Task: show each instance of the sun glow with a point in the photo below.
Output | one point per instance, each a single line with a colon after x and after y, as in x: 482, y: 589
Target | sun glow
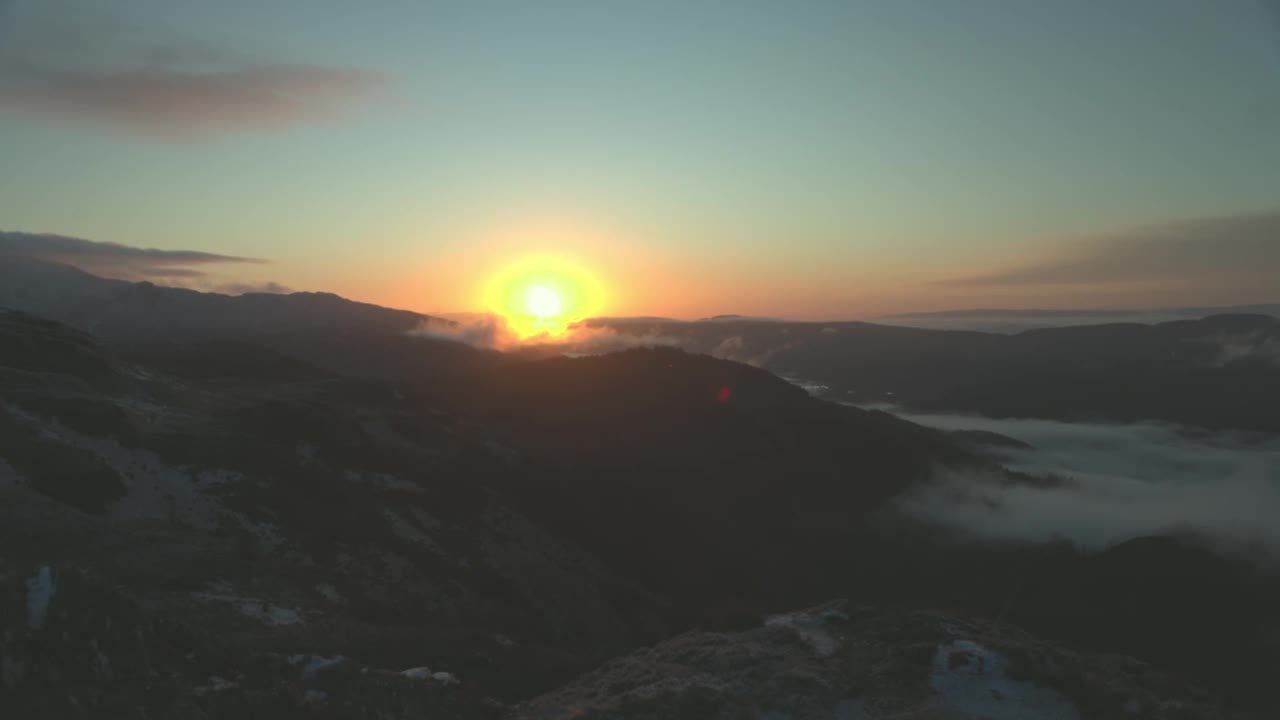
x: 543, y: 295
x: 543, y: 302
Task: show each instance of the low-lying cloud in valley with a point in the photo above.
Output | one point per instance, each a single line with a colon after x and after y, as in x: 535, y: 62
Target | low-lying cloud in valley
x: 1123, y: 481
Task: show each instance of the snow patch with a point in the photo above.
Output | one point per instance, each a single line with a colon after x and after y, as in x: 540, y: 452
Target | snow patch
x: 312, y: 664
x: 382, y: 481
x: 217, y: 683
x: 330, y: 593
x: 104, y: 662
x: 851, y: 709
x: 40, y: 591
x: 811, y: 627
x: 306, y: 451
x: 8, y: 476
x: 252, y: 607
x: 267, y: 534
x: 156, y: 489
x: 269, y: 614
x: 409, y: 531
x: 424, y: 673
x: 12, y: 670
x: 972, y: 681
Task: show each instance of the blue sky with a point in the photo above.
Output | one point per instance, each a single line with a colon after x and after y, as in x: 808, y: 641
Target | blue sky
x: 810, y: 159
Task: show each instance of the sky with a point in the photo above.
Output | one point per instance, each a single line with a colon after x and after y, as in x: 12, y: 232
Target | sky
x: 813, y: 160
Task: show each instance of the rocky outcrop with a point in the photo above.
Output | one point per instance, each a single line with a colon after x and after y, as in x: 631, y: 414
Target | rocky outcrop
x: 836, y: 662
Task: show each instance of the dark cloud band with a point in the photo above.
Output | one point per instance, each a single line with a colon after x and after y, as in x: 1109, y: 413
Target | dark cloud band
x: 115, y: 260
x: 174, y: 104
x: 60, y: 248
x: 1243, y: 246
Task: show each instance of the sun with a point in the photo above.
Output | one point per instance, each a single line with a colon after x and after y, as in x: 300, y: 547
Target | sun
x: 540, y: 296
x: 543, y: 302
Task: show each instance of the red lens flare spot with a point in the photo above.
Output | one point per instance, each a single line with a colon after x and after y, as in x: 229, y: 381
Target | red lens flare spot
x: 724, y: 394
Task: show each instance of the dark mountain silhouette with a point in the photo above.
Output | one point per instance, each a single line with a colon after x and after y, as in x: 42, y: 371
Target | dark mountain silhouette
x: 117, y: 307
x: 322, y: 329
x: 1017, y: 320
x: 735, y: 461
x: 1205, y: 372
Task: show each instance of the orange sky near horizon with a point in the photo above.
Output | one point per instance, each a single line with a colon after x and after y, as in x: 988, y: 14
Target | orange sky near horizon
x: 639, y: 281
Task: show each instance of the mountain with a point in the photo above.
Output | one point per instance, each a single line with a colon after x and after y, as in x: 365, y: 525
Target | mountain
x: 322, y: 329
x: 1011, y: 321
x: 735, y: 461
x: 208, y: 518
x: 313, y: 515
x: 1205, y: 372
x: 116, y: 307
x: 216, y: 526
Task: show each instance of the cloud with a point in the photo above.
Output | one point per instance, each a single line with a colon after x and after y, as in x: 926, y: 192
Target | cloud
x: 735, y: 348
x: 272, y: 288
x: 59, y: 68
x: 584, y: 340
x: 175, y: 105
x: 113, y: 259
x: 487, y: 331
x: 493, y: 332
x: 1127, y: 481
x: 1242, y: 247
x: 171, y: 272
x: 1254, y: 347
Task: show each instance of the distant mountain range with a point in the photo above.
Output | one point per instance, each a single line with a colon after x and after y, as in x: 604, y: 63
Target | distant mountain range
x: 998, y: 320
x: 117, y: 307
x: 321, y: 328
x: 1206, y: 372
x: 1014, y: 320
x: 1203, y: 372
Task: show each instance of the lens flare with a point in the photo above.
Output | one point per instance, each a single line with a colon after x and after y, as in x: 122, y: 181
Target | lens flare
x: 542, y: 295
